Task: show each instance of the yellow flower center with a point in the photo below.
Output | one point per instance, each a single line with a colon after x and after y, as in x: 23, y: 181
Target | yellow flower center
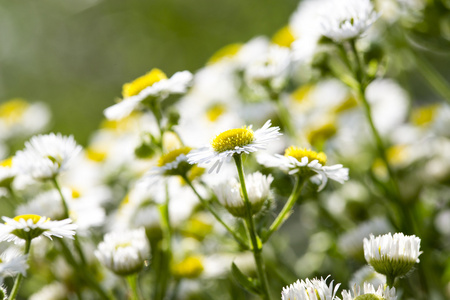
x: 349, y: 103
x: 215, y: 111
x: 172, y: 155
x: 34, y: 218
x: 302, y: 92
x: 225, y: 52
x: 322, y: 133
x: 190, y: 267
x: 13, y: 110
x: 283, y: 37
x: 299, y: 153
x: 7, y: 163
x: 123, y: 245
x: 95, y: 155
x: 423, y: 115
x: 137, y: 85
x: 230, y: 139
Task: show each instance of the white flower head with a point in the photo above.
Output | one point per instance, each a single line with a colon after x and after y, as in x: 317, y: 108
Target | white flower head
x: 229, y: 193
x: 124, y: 252
x: 12, y: 262
x: 46, y: 156
x: 171, y: 163
x: 28, y: 227
x: 234, y: 141
x: 153, y: 85
x: 392, y: 255
x: 308, y: 164
x: 52, y: 291
x: 313, y: 289
x: 272, y: 66
x: 370, y: 293
x: 347, y: 19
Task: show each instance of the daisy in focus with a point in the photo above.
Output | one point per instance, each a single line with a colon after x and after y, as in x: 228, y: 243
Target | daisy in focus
x: 307, y: 289
x: 234, y: 142
x: 152, y: 86
x: 370, y: 293
x: 46, y: 156
x: 124, y: 252
x: 342, y: 20
x: 28, y: 227
x: 308, y: 164
x: 392, y: 255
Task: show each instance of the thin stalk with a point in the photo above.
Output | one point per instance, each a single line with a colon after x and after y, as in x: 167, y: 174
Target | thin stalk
x: 166, y: 248
x: 85, y: 275
x: 14, y: 196
x: 205, y: 203
x: 256, y: 243
x: 359, y: 71
x: 394, y: 190
x: 63, y: 200
x: 19, y: 277
x: 132, y: 284
x: 66, y: 215
x: 390, y: 279
x: 432, y: 76
x: 285, y: 212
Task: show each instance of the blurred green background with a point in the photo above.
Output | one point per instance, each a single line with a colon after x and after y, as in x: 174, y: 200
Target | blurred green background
x: 76, y: 54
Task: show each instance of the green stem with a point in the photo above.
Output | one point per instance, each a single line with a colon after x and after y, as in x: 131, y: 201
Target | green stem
x: 66, y: 215
x: 256, y: 243
x: 390, y: 279
x: 166, y: 254
x: 85, y: 275
x: 19, y: 277
x: 360, y: 74
x: 394, y: 190
x: 218, y: 218
x: 432, y: 76
x: 63, y: 200
x: 132, y: 281
x: 14, y: 196
x: 286, y: 211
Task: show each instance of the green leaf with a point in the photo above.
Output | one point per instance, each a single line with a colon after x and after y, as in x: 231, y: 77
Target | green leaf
x: 248, y: 283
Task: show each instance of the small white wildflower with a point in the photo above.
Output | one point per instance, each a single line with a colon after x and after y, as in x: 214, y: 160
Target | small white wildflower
x: 230, y: 196
x: 234, y: 141
x: 370, y: 293
x: 347, y: 19
x: 392, y: 255
x: 46, y: 156
x: 314, y: 289
x: 28, y: 227
x: 124, y: 252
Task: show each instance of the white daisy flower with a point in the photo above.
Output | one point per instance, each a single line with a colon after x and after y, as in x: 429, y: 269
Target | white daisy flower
x: 234, y: 141
x: 314, y: 289
x: 308, y: 164
x: 392, y: 255
x: 172, y: 163
x: 154, y: 84
x: 370, y: 293
x: 347, y: 19
x: 84, y: 212
x: 28, y: 227
x: 45, y: 156
x: 229, y: 193
x: 124, y: 252
x: 52, y: 291
x: 270, y: 67
x: 12, y: 262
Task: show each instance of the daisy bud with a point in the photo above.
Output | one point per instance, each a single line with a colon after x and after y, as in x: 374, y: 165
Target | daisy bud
x: 230, y: 194
x: 393, y: 256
